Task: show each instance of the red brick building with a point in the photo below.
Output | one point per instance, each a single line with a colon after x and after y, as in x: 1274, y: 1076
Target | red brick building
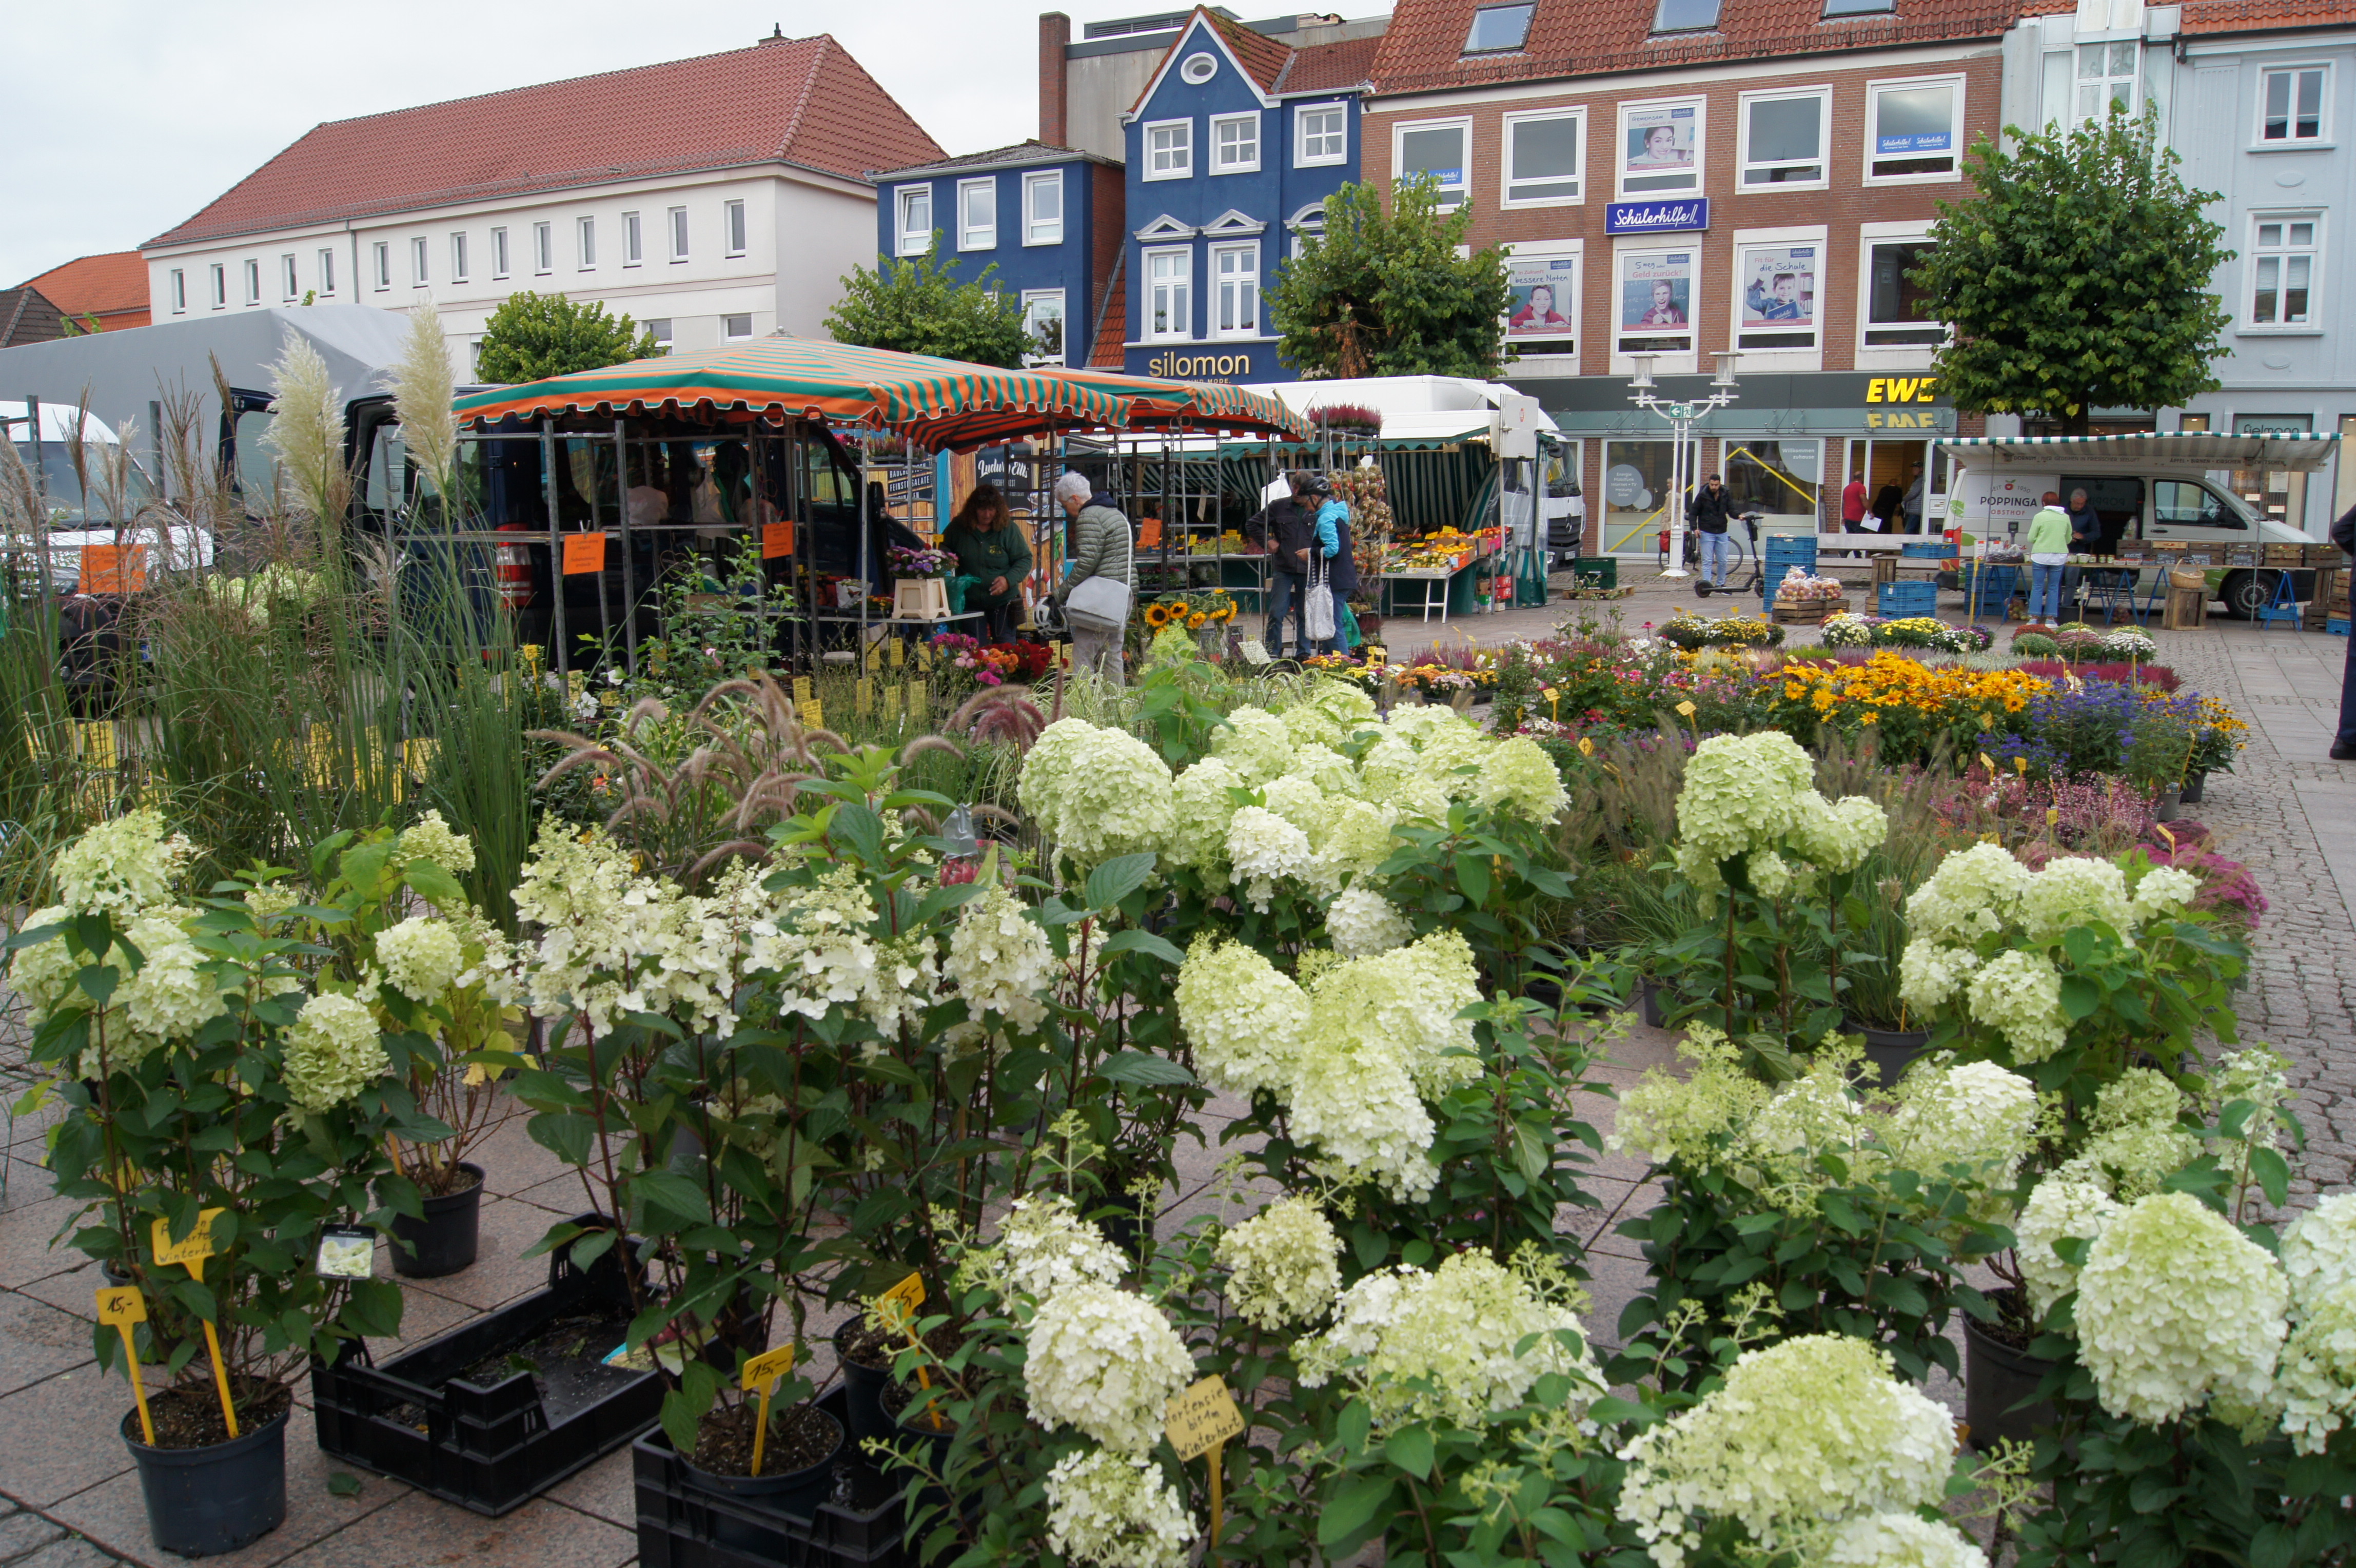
x: 1683, y: 177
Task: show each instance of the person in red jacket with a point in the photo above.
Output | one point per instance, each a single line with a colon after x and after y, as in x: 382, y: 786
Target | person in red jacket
x: 1853, y: 505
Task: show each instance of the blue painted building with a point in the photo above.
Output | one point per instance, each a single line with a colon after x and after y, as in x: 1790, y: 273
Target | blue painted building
x: 1049, y: 217
x: 1233, y: 147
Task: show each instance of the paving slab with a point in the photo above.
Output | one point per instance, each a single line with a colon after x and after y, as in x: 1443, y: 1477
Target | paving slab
x: 419, y: 1531
x: 62, y: 1435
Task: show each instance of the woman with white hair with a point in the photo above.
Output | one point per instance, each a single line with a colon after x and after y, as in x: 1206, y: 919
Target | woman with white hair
x: 1099, y: 579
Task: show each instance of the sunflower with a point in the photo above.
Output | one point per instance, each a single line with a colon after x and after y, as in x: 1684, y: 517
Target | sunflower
x: 1157, y: 615
x: 1194, y: 622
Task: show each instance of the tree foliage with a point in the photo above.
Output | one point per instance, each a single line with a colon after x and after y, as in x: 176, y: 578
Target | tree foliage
x: 916, y: 305
x: 2079, y: 279
x: 532, y: 335
x: 1386, y: 294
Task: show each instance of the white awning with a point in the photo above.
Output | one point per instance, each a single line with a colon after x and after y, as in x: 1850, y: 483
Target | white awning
x: 2295, y: 450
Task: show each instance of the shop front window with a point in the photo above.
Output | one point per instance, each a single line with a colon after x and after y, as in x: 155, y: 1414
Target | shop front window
x: 1636, y: 493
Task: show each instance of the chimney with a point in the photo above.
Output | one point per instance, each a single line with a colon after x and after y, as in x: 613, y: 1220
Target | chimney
x: 1054, y: 33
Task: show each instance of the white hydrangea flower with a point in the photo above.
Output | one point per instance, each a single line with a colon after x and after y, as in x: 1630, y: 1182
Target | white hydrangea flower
x: 1283, y: 1264
x: 1105, y: 1361
x: 2318, y: 1250
x: 1095, y: 792
x: 332, y: 1053
x: 999, y: 959
x: 1326, y: 769
x: 1836, y: 836
x: 2061, y: 1207
x: 2019, y: 995
x: 2137, y: 1097
x: 1811, y: 1430
x: 1518, y: 777
x: 2073, y: 890
x: 1361, y: 1110
x: 1970, y: 1113
x: 1263, y: 847
x: 1451, y: 753
x: 421, y: 957
x: 2163, y: 890
x: 2261, y: 1076
x: 433, y: 838
x: 1771, y: 877
x: 2131, y: 1161
x: 1403, y: 1005
x: 2315, y: 1387
x: 1974, y: 893
x: 1900, y: 1540
x: 270, y: 900
x: 1044, y: 1247
x: 1456, y: 1330
x: 43, y: 974
x: 1244, y: 1019
x: 1310, y: 725
x: 1362, y: 923
x: 2175, y: 1307
x: 1300, y: 802
x: 1113, y: 1511
x: 1741, y: 792
x: 1929, y: 973
x: 1255, y: 742
x: 1347, y: 705
x: 1201, y: 810
x: 172, y: 996
x: 121, y: 865
x: 1358, y: 839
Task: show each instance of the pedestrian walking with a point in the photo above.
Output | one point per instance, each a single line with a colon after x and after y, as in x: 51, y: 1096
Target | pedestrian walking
x: 1853, y: 505
x: 2048, y: 555
x: 1300, y: 534
x: 1099, y: 579
x: 1710, y: 511
x: 2343, y: 745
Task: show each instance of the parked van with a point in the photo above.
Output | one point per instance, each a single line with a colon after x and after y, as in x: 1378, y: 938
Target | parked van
x: 2150, y: 488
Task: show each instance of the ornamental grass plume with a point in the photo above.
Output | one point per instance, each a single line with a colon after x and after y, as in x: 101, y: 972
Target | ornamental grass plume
x: 1105, y: 1361
x: 306, y: 437
x: 1111, y: 1510
x: 2176, y: 1308
x: 422, y: 390
x: 1799, y: 1438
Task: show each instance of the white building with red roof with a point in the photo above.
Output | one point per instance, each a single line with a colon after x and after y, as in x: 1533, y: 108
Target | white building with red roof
x: 714, y: 198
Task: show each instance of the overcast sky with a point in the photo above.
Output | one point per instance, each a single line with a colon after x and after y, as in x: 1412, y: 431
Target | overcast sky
x: 126, y: 117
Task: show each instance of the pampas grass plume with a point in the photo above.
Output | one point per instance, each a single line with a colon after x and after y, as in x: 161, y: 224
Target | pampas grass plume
x: 306, y: 437
x: 422, y: 388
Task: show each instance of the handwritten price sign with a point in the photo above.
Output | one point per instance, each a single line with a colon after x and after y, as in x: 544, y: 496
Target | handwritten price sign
x: 1201, y: 1418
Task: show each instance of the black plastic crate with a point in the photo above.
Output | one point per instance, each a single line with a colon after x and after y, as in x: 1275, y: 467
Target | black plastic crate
x: 490, y: 1447
x: 680, y: 1525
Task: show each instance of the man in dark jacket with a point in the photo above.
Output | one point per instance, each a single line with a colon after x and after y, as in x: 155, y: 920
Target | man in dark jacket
x: 2343, y: 744
x: 1710, y: 511
x: 1294, y: 539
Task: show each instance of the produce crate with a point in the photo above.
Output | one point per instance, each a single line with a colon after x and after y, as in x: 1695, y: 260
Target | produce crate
x: 1992, y: 588
x: 680, y: 1525
x: 1924, y: 550
x: 2284, y: 555
x: 2326, y: 555
x: 1778, y: 554
x: 1898, y: 600
x: 486, y: 1446
x: 1807, y: 612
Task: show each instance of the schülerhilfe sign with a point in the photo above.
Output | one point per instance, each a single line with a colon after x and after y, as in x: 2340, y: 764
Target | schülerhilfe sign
x: 1657, y: 216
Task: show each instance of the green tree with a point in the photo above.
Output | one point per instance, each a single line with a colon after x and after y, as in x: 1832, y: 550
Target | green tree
x: 1386, y: 294
x: 537, y: 335
x: 2080, y: 278
x: 916, y: 306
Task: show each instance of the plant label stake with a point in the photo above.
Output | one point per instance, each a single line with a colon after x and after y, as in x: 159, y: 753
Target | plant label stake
x: 120, y: 1307
x: 1200, y: 1422
x: 899, y: 1304
x: 762, y: 1372
x: 191, y: 1254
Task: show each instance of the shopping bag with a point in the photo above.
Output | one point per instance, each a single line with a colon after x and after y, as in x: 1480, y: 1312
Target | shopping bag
x: 1317, y: 611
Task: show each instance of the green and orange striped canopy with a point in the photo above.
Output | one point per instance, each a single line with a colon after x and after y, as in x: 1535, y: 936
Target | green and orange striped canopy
x: 1209, y: 407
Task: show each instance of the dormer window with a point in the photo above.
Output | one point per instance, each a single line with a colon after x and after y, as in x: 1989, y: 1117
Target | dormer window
x: 1498, y: 29
x: 1858, y: 7
x: 1685, y: 16
x: 1198, y: 69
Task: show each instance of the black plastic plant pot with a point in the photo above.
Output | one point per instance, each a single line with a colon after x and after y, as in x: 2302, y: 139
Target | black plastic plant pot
x: 863, y: 1389
x: 453, y: 1418
x: 2195, y: 785
x: 1891, y: 1050
x: 854, y: 1521
x: 1650, y: 994
x: 2000, y: 1384
x: 795, y: 1492
x: 445, y: 1241
x: 204, y: 1501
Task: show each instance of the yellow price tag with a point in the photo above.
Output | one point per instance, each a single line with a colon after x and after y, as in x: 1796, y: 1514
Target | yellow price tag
x: 899, y: 652
x: 907, y: 1297
x: 120, y: 1307
x: 1201, y: 1418
x: 803, y: 691
x: 190, y: 1251
x: 762, y: 1372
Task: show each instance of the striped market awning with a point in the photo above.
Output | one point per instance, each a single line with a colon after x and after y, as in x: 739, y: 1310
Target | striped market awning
x: 1195, y: 407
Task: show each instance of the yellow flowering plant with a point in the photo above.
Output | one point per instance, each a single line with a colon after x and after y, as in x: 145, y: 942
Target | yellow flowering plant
x: 1913, y: 709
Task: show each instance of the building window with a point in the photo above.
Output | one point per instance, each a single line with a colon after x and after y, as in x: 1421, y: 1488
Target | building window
x: 498, y: 252
x: 1170, y: 150
x: 543, y: 249
x: 1308, y: 227
x: 1657, y: 291
x: 1684, y: 16
x: 220, y: 283
x: 2106, y: 75
x: 1043, y: 208
x: 585, y: 229
x: 658, y: 329
x: 735, y: 329
x: 459, y: 271
x: 1498, y: 29
x: 1322, y: 133
x: 1784, y: 138
x: 633, y: 239
x: 679, y: 234
x: 1436, y: 152
x: 1912, y: 129
x: 1660, y: 148
x: 1542, y: 310
x: 179, y: 286
x: 2290, y: 104
x: 1778, y: 302
x: 1234, y: 144
x: 731, y: 224
x: 252, y: 282
x: 1043, y: 319
x: 327, y: 272
x: 1198, y: 68
x: 1858, y: 7
x: 417, y: 270
x: 380, y: 260
x: 2285, y: 259
x: 915, y: 203
x: 978, y: 214
x: 1237, y: 270
x: 289, y: 287
x: 1892, y: 320
x: 1543, y: 158
x: 1169, y: 293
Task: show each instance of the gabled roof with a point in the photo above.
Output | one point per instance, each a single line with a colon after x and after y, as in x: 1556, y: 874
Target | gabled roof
x: 1423, y: 49
x: 111, y: 286
x: 2263, y: 16
x: 1021, y: 154
x: 1330, y: 67
x: 800, y: 101
x: 27, y: 316
x: 1271, y: 65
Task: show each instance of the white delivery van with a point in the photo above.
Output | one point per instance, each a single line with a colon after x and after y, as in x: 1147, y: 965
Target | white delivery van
x: 75, y: 517
x: 2156, y: 488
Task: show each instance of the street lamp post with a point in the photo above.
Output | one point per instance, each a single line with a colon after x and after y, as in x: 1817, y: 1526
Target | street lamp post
x: 1682, y: 418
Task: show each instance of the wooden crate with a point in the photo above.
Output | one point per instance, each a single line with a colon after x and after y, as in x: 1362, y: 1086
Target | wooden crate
x: 1806, y: 612
x: 2188, y: 609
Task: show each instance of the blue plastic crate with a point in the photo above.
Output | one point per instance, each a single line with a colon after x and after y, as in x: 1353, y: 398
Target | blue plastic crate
x: 1778, y: 554
x: 1924, y: 550
x: 2335, y: 625
x: 1898, y: 600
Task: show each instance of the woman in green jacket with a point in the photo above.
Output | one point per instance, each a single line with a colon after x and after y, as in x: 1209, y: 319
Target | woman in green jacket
x: 990, y: 547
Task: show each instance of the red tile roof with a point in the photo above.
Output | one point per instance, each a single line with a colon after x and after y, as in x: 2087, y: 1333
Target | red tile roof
x: 795, y: 100
x: 2259, y: 16
x: 1274, y: 65
x: 1264, y: 59
x: 1327, y: 67
x: 1110, y: 351
x: 1423, y: 50
x: 113, y: 287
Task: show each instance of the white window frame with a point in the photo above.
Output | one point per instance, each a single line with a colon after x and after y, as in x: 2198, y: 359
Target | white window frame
x: 252, y: 280
x: 676, y: 222
x: 328, y: 273
x: 1954, y: 172
x: 1041, y: 296
x: 1553, y: 250
x: 634, y: 238
x: 1181, y: 150
x: 543, y: 249
x: 420, y: 261
x: 178, y: 288
x: 460, y: 270
x: 1668, y: 360
x: 290, y: 281
x: 662, y: 339
x: 1700, y: 106
x: 584, y: 244
x: 1033, y: 182
x: 744, y: 337
x: 1249, y: 250
x: 1219, y: 163
x: 1301, y: 156
x: 1888, y: 356
x: 1512, y: 122
x: 1785, y: 357
x: 906, y: 242
x: 1309, y: 222
x: 973, y: 236
x: 220, y: 283
x: 735, y: 232
x: 499, y: 252
x: 2322, y: 137
x: 2254, y: 257
x: 380, y: 256
x: 1184, y: 283
x: 1743, y: 162
x: 2079, y: 83
x: 1462, y: 126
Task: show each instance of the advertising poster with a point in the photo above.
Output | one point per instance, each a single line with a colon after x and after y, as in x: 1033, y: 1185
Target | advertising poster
x: 1545, y: 293
x: 1910, y: 122
x: 1659, y: 141
x: 1656, y: 292
x: 1779, y: 286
